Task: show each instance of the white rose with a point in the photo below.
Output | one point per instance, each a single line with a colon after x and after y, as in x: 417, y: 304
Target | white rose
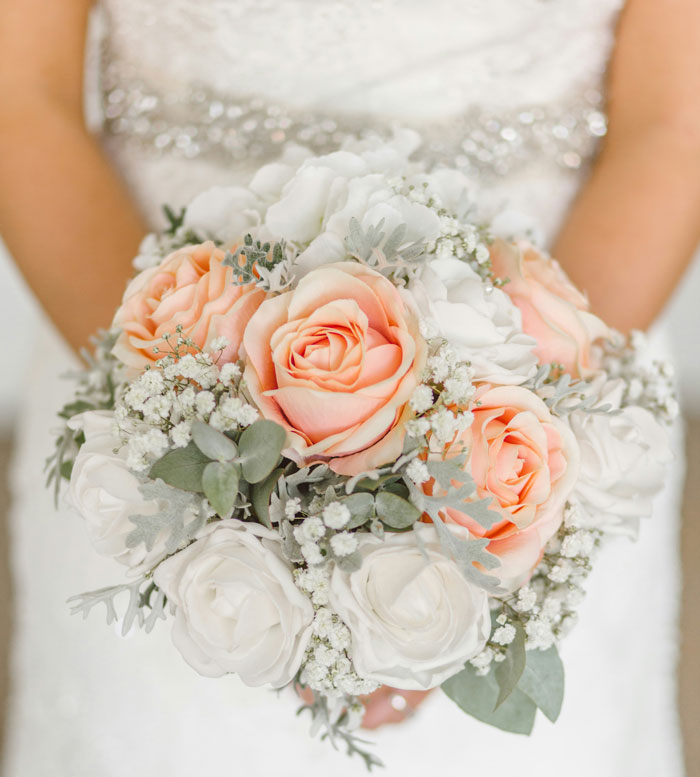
x: 414, y: 621
x: 225, y: 213
x: 238, y: 608
x: 484, y: 328
x: 105, y: 493
x: 624, y: 458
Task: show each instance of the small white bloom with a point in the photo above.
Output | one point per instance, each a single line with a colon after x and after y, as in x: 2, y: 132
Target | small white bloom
x: 417, y: 427
x: 422, y: 399
x: 560, y: 573
x: 181, y: 434
x: 219, y: 344
x: 344, y: 544
x: 230, y: 372
x: 482, y: 253
x: 292, y: 508
x: 417, y: 471
x: 504, y: 635
x: 482, y: 661
x: 336, y: 515
x: 205, y: 402
x: 527, y: 599
x: 312, y: 553
x: 312, y: 529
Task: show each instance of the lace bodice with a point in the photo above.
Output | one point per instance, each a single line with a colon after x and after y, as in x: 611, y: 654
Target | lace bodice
x: 490, y: 83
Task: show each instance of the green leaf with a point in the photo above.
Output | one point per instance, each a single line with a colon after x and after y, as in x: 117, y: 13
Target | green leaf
x: 395, y: 512
x: 477, y: 696
x: 220, y: 481
x: 260, y: 497
x: 349, y: 564
x: 260, y: 447
x: 212, y: 443
x: 74, y: 408
x: 181, y: 468
x: 467, y: 554
x: 361, y: 506
x: 460, y: 497
x: 177, y: 522
x: 543, y: 681
x: 509, y: 672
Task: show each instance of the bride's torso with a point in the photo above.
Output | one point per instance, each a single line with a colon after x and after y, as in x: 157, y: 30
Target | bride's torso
x: 196, y: 92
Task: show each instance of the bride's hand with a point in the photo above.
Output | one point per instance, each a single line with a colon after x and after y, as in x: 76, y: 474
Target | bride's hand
x: 386, y: 705
x: 389, y: 705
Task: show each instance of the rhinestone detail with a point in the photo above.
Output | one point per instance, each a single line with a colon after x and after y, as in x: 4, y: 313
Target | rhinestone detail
x: 199, y: 123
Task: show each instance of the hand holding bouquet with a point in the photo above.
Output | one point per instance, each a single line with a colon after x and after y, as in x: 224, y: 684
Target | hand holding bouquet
x: 344, y: 438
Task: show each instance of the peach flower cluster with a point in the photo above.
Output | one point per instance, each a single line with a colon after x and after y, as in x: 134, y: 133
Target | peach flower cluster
x: 193, y: 289
x: 554, y: 312
x: 335, y: 362
x: 526, y: 461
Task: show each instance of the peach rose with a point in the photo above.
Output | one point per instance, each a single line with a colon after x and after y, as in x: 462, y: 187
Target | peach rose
x: 335, y: 362
x: 192, y: 288
x: 525, y: 461
x: 553, y: 310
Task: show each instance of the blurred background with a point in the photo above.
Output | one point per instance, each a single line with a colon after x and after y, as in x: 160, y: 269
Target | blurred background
x: 20, y: 313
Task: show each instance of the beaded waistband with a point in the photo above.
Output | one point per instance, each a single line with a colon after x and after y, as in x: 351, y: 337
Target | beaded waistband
x: 198, y: 123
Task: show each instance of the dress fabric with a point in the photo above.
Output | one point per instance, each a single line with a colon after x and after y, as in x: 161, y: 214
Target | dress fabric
x: 518, y: 76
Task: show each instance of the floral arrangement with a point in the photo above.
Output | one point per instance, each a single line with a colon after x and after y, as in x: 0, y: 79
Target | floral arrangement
x: 343, y: 437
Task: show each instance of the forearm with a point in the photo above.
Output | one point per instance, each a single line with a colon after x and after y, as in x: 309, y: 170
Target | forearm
x: 635, y: 225
x: 64, y: 215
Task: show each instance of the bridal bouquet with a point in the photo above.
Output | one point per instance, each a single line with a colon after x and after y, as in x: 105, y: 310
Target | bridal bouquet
x: 344, y: 438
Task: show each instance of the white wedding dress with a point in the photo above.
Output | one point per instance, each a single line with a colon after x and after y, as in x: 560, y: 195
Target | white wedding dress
x: 197, y: 92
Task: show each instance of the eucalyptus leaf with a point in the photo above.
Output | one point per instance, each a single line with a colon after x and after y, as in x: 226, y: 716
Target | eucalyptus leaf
x: 361, y: 506
x: 212, y: 443
x: 377, y: 528
x: 181, y: 468
x: 260, y: 497
x: 349, y: 564
x: 477, y: 696
x: 543, y: 681
x: 260, y: 447
x: 395, y: 512
x: 509, y: 671
x: 220, y: 481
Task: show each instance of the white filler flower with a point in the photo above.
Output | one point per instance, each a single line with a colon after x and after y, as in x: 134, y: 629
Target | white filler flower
x: 238, y: 608
x: 414, y: 621
x: 105, y: 493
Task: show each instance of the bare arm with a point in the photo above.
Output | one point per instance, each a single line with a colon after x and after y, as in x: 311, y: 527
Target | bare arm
x: 64, y: 213
x: 635, y: 225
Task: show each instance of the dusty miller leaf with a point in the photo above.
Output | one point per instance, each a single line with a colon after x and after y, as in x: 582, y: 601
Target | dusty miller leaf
x: 175, y: 506
x: 446, y: 473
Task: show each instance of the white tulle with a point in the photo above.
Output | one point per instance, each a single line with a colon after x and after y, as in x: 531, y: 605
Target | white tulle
x: 87, y: 702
